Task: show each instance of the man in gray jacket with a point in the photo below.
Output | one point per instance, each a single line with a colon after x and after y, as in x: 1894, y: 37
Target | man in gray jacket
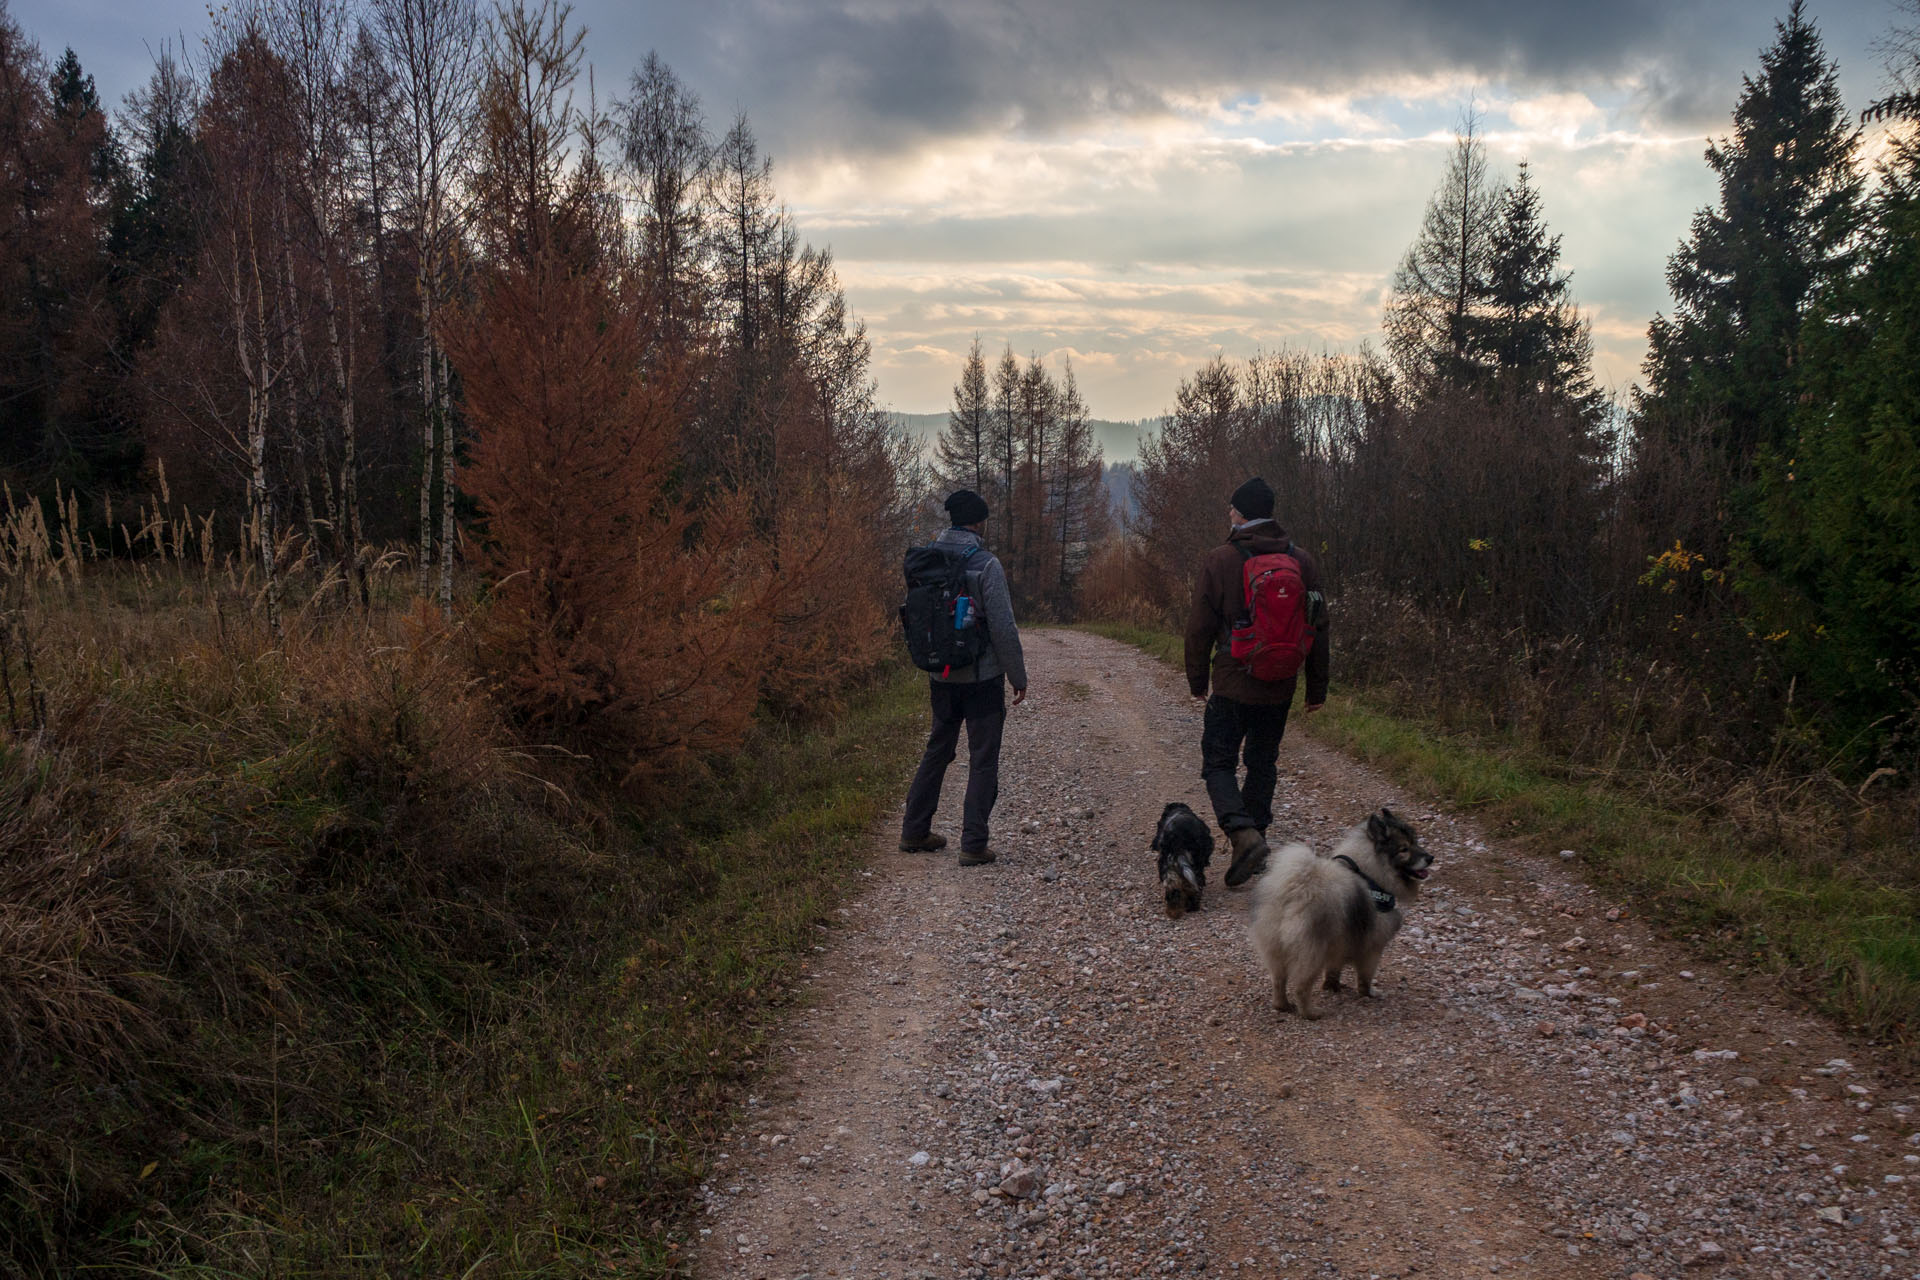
x: 975, y: 696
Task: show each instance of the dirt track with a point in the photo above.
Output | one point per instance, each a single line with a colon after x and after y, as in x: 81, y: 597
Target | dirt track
x: 1542, y: 1089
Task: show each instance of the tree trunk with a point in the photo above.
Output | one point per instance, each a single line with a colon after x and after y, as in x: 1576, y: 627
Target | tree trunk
x: 259, y: 403
x: 447, y: 470
x: 427, y: 434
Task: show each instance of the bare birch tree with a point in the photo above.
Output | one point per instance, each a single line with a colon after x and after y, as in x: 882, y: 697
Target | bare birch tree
x: 312, y: 39
x: 243, y: 121
x: 433, y: 50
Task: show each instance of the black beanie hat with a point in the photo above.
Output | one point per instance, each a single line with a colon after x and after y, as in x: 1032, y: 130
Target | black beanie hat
x: 967, y: 507
x: 1254, y: 500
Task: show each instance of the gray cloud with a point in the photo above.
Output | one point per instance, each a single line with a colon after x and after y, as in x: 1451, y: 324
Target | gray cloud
x: 860, y: 76
x: 866, y: 76
x: 999, y: 166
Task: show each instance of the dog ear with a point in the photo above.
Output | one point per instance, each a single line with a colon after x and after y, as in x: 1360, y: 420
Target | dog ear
x: 1376, y: 829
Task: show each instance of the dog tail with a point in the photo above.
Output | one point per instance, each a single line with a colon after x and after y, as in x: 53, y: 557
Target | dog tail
x: 1272, y: 882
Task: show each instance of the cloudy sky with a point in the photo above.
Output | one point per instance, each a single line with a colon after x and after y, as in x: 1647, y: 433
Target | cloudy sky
x: 1143, y: 184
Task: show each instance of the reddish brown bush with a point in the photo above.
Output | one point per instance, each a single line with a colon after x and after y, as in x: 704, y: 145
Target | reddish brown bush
x: 612, y: 620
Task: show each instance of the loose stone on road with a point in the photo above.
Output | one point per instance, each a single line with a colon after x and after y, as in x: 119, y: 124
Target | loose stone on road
x: 1027, y: 1070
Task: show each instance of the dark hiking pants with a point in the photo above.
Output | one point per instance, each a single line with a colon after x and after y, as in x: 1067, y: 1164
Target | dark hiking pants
x: 1228, y: 726
x: 982, y: 707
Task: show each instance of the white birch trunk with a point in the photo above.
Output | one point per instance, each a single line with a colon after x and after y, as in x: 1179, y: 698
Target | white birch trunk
x: 448, y: 467
x: 259, y: 405
x: 427, y: 434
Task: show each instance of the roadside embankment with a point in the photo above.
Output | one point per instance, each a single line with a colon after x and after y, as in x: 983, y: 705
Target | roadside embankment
x: 308, y: 966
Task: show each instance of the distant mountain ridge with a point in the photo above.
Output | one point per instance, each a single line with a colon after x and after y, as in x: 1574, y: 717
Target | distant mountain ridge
x: 1119, y: 441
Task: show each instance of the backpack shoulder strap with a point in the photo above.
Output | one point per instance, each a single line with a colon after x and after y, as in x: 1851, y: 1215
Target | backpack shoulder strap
x: 957, y: 559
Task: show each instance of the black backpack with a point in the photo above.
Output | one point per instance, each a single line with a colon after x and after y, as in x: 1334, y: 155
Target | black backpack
x: 944, y: 624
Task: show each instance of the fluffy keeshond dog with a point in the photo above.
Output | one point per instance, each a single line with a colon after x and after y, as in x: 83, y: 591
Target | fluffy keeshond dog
x: 1185, y: 846
x: 1314, y: 916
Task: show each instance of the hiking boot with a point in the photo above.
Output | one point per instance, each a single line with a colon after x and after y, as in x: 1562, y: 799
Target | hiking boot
x: 927, y: 843
x: 976, y: 857
x: 1249, y: 855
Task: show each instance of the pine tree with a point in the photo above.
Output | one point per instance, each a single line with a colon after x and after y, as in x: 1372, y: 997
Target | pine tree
x: 1834, y: 564
x: 1527, y: 334
x: 602, y: 626
x: 1079, y: 486
x: 154, y: 239
x: 1444, y: 274
x: 963, y: 453
x: 59, y: 184
x: 1037, y: 429
x: 1006, y: 437
x: 1782, y: 233
x: 669, y: 157
x: 76, y: 106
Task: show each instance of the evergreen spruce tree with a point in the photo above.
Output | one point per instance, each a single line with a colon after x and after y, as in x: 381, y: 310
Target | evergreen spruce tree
x: 1834, y: 569
x: 1005, y: 421
x: 964, y: 453
x: 76, y: 106
x: 1527, y: 334
x: 1079, y: 487
x: 1443, y: 277
x: 154, y: 238
x: 1782, y: 232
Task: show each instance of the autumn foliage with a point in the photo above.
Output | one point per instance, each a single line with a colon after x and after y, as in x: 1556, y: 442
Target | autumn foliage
x: 609, y: 614
x: 680, y: 521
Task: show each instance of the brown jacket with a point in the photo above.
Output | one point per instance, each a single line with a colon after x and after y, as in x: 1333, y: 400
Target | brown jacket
x: 1219, y: 600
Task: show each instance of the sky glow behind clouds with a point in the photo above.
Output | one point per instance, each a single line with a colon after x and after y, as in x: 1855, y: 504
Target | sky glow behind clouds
x: 1142, y: 185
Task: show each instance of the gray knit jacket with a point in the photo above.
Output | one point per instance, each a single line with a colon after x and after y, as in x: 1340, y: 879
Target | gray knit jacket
x: 988, y: 583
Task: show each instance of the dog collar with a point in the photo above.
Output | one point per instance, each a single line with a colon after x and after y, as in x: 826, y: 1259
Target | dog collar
x: 1383, y: 901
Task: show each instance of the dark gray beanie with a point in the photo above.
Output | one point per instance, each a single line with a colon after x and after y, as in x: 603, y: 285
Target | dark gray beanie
x: 1254, y: 500
x: 967, y: 507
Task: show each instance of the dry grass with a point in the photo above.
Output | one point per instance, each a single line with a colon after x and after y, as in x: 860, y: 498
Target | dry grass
x: 307, y: 966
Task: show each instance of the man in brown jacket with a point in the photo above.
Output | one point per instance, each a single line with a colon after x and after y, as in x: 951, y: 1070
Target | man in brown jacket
x: 1243, y: 710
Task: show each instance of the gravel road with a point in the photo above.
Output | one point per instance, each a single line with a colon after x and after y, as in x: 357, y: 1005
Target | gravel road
x: 1028, y: 1070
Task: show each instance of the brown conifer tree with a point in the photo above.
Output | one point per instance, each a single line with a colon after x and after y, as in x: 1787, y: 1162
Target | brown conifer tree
x: 610, y: 623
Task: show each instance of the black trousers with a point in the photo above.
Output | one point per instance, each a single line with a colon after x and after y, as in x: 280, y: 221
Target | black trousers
x: 1229, y: 726
x: 982, y: 707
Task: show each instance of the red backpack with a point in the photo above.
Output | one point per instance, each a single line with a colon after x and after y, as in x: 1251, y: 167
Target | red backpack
x: 1273, y: 640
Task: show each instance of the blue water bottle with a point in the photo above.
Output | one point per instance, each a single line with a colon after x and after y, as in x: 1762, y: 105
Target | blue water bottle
x: 963, y: 613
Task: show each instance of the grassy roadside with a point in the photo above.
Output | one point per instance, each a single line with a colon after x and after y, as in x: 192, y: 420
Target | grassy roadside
x: 348, y: 989
x: 1844, y: 929
x: 584, y: 1163
x: 771, y: 850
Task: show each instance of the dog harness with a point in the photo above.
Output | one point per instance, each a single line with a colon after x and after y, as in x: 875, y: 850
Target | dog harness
x: 1383, y: 901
